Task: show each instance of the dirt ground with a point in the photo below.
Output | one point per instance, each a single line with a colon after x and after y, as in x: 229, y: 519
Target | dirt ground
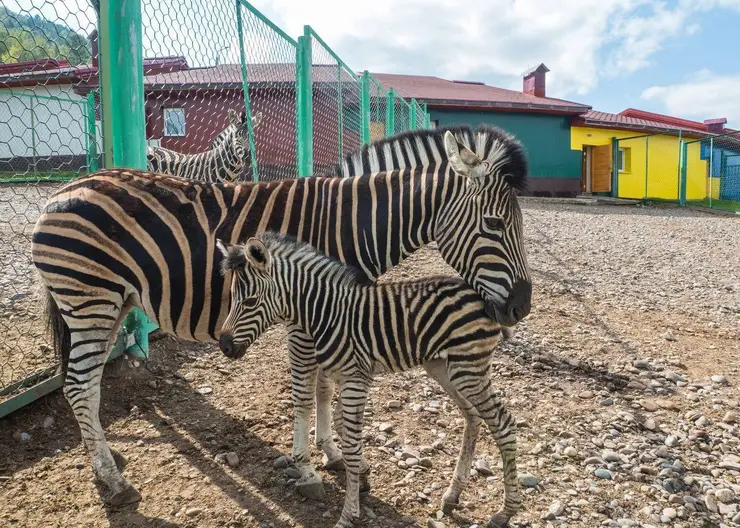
x: 623, y: 380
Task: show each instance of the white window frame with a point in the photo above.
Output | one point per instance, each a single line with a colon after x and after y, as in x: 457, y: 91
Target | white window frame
x: 165, y: 116
x: 434, y: 123
x: 621, y: 159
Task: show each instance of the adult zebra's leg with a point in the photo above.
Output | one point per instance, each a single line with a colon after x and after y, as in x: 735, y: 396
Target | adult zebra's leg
x: 473, y: 381
x: 303, y: 372
x: 94, y: 326
x: 324, y: 438
x: 353, y: 392
x: 437, y: 370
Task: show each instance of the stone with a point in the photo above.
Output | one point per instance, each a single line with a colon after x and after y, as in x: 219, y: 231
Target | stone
x: 385, y: 427
x: 192, y: 512
x: 292, y: 473
x: 204, y: 390
x: 48, y: 422
x: 642, y: 364
x: 282, y: 462
x: 671, y: 513
x: 606, y: 402
x: 528, y: 481
x: 666, y: 404
x: 556, y: 509
x: 431, y: 523
x: 649, y: 405
x: 711, y: 503
x: 634, y: 384
x: 725, y: 495
x: 585, y: 395
x: 720, y: 380
x: 232, y: 459
x: 671, y: 441
x: 482, y: 468
x: 426, y: 463
x: 603, y: 474
x: 570, y: 452
x: 394, y: 405
x: 410, y: 462
x: 669, y: 336
x: 611, y: 456
x: 730, y: 417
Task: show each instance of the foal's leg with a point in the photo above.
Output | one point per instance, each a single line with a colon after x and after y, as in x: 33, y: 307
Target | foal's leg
x: 437, y: 369
x: 94, y: 325
x: 303, y: 370
x: 473, y: 380
x: 354, y: 396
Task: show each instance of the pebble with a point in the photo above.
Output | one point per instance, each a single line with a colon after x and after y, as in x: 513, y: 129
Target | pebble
x: 232, y: 459
x: 730, y: 417
x: 671, y: 441
x: 585, y: 395
x: 666, y: 404
x: 204, y: 390
x: 649, y: 405
x: 482, y: 468
x: 570, y: 452
x: 48, y: 422
x: 611, y: 456
x: 711, y: 503
x: 385, y: 427
x: 671, y: 513
x: 606, y: 402
x: 528, y: 481
x: 603, y: 474
x: 642, y: 364
x: 669, y: 336
x: 719, y: 379
x: 556, y: 509
x: 282, y: 462
x: 431, y: 523
x: 192, y: 512
x: 394, y: 405
x: 724, y: 495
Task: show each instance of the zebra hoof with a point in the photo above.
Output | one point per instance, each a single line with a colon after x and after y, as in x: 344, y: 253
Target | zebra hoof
x: 128, y: 495
x: 336, y: 464
x: 499, y: 520
x: 449, y: 506
x: 311, y: 489
x: 119, y: 459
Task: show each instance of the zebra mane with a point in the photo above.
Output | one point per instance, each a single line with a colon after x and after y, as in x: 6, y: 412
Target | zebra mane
x: 503, y: 149
x: 426, y: 146
x: 287, y: 247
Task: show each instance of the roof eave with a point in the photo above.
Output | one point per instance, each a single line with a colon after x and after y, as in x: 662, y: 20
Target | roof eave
x: 644, y: 128
x: 500, y: 105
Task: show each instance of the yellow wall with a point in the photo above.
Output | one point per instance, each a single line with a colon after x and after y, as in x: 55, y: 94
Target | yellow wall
x: 657, y: 158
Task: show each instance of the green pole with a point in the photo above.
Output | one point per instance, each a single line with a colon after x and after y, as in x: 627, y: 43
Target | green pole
x: 682, y: 180
x: 122, y: 82
x: 245, y: 90
x: 427, y: 117
x: 305, y: 103
x: 647, y: 153
x: 678, y: 176
x: 92, y: 150
x: 412, y: 117
x: 390, y: 117
x: 365, y: 107
x: 615, y: 168
x: 340, y: 124
x: 33, y: 136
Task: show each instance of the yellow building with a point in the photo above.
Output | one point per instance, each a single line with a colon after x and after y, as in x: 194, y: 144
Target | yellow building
x: 645, y: 162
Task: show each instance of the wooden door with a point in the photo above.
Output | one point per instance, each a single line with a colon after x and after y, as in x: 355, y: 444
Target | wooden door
x: 601, y: 168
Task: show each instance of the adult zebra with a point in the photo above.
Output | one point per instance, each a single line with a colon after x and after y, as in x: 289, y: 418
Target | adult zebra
x: 228, y: 156
x: 116, y: 239
x: 360, y: 330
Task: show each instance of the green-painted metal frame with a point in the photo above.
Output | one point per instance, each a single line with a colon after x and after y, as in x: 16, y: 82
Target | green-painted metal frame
x: 91, y: 135
x: 122, y: 92
x: 269, y: 23
x: 711, y: 169
x: 390, y: 113
x: 245, y: 91
x: 647, y: 157
x: 34, y: 147
x: 365, y: 107
x: 615, y: 168
x: 309, y: 32
x: 340, y: 117
x: 412, y: 114
x: 304, y: 99
x: 683, y: 169
x: 678, y: 175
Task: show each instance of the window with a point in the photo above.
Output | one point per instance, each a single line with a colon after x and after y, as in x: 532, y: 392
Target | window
x: 624, y: 158
x: 434, y: 123
x: 174, y: 121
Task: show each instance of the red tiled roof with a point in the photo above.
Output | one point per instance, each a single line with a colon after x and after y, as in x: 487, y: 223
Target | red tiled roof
x: 642, y: 120
x: 438, y: 92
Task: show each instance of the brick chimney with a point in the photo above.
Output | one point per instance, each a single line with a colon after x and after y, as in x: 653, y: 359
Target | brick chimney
x: 534, y: 81
x: 93, y: 37
x: 716, y: 126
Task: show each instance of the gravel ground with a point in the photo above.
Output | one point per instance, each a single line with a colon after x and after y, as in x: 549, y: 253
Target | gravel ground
x: 623, y: 381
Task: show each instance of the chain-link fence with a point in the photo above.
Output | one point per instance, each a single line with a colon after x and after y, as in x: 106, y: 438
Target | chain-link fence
x: 680, y: 168
x: 64, y: 112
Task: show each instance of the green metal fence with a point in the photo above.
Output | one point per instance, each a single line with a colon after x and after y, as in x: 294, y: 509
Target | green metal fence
x: 682, y: 167
x: 93, y: 86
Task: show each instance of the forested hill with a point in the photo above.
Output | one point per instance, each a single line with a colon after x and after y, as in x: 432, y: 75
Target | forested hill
x: 27, y: 37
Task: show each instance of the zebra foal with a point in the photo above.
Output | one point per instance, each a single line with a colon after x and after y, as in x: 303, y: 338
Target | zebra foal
x: 361, y: 329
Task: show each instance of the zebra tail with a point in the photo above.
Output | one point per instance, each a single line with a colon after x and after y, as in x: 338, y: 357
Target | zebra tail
x: 60, y: 335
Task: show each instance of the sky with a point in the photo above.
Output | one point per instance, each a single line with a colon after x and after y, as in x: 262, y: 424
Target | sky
x: 677, y: 57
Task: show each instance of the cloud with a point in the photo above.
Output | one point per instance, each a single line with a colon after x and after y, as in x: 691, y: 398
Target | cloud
x: 581, y: 41
x: 704, y: 95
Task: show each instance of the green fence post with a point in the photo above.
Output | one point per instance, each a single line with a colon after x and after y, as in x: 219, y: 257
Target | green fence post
x: 365, y: 107
x: 678, y: 175
x: 711, y: 168
x: 92, y: 136
x: 390, y: 113
x: 305, y: 104
x: 122, y: 79
x: 245, y: 90
x: 615, y: 167
x: 412, y: 114
x: 340, y: 114
x: 34, y: 148
x: 682, y: 179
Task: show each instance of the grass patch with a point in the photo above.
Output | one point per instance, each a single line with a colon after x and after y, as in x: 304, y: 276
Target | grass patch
x: 26, y: 177
x: 725, y: 205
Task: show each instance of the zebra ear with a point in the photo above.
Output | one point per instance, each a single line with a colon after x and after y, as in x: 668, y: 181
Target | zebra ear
x: 233, y: 256
x: 462, y: 159
x: 256, y: 119
x: 232, y: 117
x: 257, y: 254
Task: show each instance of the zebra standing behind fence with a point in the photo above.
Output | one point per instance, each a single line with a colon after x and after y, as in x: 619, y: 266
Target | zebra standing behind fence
x: 228, y: 156
x: 117, y: 239
x: 359, y: 330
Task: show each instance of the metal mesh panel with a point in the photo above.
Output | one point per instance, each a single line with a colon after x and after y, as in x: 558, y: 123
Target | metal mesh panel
x: 194, y: 76
x: 720, y: 155
x: 49, y: 132
x: 648, y: 167
x: 351, y: 124
x: 402, y: 112
x: 378, y: 104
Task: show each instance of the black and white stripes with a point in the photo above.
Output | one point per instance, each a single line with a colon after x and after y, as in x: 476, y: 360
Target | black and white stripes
x: 228, y: 156
x: 362, y: 329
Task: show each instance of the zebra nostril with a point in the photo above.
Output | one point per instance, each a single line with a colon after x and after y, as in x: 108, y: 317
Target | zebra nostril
x: 226, y: 343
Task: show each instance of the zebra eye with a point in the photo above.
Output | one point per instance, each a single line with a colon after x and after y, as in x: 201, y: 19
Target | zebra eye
x: 250, y: 302
x: 492, y: 223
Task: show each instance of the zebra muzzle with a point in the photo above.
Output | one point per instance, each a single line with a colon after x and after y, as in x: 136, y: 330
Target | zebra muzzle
x: 226, y: 343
